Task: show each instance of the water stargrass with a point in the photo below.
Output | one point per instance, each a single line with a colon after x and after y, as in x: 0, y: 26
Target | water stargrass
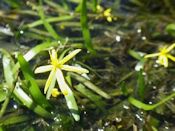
x: 8, y: 63
x: 15, y: 90
x: 95, y: 3
x: 27, y: 101
x: 90, y: 85
x: 50, y: 20
x: 84, y: 26
x: 56, y: 67
x: 140, y: 85
x: 13, y: 119
x: 32, y: 85
x: 46, y: 24
x: 139, y: 104
x: 90, y: 95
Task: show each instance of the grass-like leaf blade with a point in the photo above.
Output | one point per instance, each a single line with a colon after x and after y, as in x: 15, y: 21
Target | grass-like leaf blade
x: 33, y: 87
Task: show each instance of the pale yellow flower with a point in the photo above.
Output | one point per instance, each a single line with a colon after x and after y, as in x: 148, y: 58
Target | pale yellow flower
x: 163, y: 55
x: 56, y: 66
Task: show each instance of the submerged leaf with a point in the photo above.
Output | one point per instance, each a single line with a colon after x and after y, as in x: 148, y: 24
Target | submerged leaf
x: 84, y: 26
x: 28, y: 102
x: 33, y: 87
x: 3, y: 94
x: 90, y: 95
x: 90, y: 85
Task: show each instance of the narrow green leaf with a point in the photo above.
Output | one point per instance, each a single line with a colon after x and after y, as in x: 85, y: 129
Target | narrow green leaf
x: 141, y: 85
x: 90, y: 95
x: 135, y: 55
x: 90, y: 85
x: 33, y: 87
x: 94, y: 5
x: 46, y: 24
x: 28, y: 102
x: 8, y: 63
x: 84, y: 26
x: 144, y: 106
x: 3, y: 94
x: 13, y: 120
x: 49, y: 20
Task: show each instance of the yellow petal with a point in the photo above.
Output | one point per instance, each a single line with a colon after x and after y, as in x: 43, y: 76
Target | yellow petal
x: 171, y: 57
x: 151, y: 55
x: 42, y: 69
x: 107, y: 12
x: 69, y: 56
x: 74, y: 69
x: 170, y: 47
x: 109, y: 19
x: 49, y: 80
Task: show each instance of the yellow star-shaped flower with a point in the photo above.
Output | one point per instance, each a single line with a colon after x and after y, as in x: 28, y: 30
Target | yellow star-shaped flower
x: 163, y: 55
x: 56, y: 66
x: 56, y: 74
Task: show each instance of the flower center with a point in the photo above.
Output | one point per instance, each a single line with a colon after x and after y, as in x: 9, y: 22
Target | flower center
x: 163, y: 51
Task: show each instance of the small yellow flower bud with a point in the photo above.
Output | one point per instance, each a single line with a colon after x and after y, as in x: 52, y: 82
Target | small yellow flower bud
x: 55, y: 92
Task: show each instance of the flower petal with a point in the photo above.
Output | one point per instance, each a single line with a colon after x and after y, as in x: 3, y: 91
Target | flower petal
x: 151, y: 55
x: 69, y: 56
x: 49, y: 80
x: 70, y: 100
x: 170, y: 47
x: 74, y: 69
x: 163, y: 60
x: 53, y: 54
x: 61, y: 82
x: 171, y: 57
x: 42, y: 69
x: 51, y: 87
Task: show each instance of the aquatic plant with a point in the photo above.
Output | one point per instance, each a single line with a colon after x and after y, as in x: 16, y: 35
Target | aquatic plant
x: 56, y: 67
x: 163, y: 55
